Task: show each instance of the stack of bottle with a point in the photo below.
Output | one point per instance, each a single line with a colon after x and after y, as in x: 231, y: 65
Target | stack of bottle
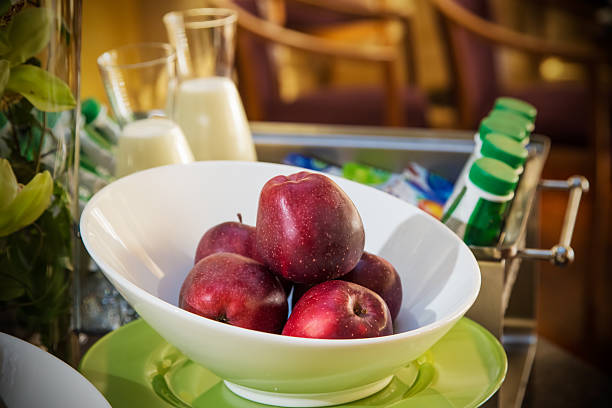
x: 99, y: 134
x: 485, y: 187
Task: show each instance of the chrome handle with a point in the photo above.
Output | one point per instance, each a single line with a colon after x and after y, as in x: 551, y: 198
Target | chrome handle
x: 562, y: 253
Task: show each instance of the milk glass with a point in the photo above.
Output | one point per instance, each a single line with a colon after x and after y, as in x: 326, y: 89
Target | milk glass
x: 207, y: 105
x: 140, y: 80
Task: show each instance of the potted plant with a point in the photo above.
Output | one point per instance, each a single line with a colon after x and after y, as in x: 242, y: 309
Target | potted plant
x: 39, y: 44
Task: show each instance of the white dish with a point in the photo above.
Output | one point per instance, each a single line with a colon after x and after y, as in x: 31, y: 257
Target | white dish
x: 31, y: 377
x: 142, y: 230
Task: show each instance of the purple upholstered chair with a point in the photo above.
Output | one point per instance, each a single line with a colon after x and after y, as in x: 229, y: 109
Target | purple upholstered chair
x: 388, y: 104
x: 565, y: 109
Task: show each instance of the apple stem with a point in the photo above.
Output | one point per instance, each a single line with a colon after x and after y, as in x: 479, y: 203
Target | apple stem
x: 239, y: 217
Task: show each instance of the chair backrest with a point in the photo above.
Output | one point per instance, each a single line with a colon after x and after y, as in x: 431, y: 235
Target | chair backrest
x: 256, y: 63
x: 256, y: 68
x: 258, y: 37
x: 473, y: 66
x: 303, y: 17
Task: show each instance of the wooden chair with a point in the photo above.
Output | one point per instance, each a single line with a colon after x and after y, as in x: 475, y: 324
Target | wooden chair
x: 571, y: 114
x: 391, y: 104
x: 308, y: 15
x: 472, y: 39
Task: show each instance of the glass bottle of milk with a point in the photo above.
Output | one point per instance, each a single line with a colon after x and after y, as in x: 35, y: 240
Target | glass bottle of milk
x: 210, y: 113
x: 207, y: 105
x: 150, y: 142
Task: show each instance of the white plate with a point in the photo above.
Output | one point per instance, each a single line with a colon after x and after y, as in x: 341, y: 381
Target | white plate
x: 31, y: 377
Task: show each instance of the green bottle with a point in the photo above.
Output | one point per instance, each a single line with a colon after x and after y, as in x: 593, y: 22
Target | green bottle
x: 516, y: 105
x: 97, y: 149
x: 96, y: 116
x: 477, y: 213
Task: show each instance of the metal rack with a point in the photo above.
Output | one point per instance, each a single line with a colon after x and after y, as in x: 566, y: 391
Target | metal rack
x: 506, y: 305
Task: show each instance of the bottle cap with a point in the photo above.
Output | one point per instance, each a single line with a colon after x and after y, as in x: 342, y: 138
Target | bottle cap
x: 364, y: 174
x: 90, y: 108
x: 504, y: 149
x: 516, y: 105
x: 504, y: 127
x: 493, y: 176
x: 513, y: 117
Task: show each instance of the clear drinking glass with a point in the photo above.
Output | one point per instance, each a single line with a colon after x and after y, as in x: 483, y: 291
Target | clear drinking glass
x: 207, y: 105
x: 139, y: 80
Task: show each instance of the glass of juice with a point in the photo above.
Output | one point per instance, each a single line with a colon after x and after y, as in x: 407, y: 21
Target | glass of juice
x: 207, y: 105
x: 140, y: 80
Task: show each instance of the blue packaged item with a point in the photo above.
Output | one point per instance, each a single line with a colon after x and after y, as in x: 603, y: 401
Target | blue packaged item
x: 310, y: 163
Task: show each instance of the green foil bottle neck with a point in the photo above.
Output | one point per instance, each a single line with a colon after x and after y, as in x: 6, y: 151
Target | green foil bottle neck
x: 505, y: 149
x: 493, y: 176
x: 516, y: 105
x: 513, y: 117
x: 504, y: 127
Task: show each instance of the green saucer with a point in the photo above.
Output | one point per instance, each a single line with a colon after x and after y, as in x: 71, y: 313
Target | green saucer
x: 133, y: 366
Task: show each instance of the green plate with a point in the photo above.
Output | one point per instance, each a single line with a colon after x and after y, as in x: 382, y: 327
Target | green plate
x: 133, y: 366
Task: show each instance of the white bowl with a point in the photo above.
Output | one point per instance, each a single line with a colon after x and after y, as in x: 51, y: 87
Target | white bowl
x: 142, y: 230
x: 31, y: 377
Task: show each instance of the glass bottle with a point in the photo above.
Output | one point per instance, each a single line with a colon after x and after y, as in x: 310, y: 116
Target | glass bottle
x: 496, y: 145
x: 477, y: 213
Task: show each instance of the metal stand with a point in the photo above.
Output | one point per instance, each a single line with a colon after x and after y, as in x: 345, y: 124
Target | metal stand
x: 508, y: 300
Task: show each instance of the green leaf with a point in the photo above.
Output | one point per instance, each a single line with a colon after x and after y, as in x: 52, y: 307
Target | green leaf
x: 44, y: 90
x: 5, y: 44
x: 57, y: 224
x: 28, y: 205
x: 10, y: 289
x: 5, y: 71
x: 8, y: 184
x: 5, y: 5
x: 21, y: 114
x: 37, y: 257
x: 28, y: 34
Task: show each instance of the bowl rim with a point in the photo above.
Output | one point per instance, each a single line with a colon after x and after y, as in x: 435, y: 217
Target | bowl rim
x: 260, y: 335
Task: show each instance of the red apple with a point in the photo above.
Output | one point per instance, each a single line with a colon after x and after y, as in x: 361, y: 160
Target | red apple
x: 234, y: 289
x: 308, y: 230
x: 337, y: 309
x: 234, y: 237
x: 379, y: 275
